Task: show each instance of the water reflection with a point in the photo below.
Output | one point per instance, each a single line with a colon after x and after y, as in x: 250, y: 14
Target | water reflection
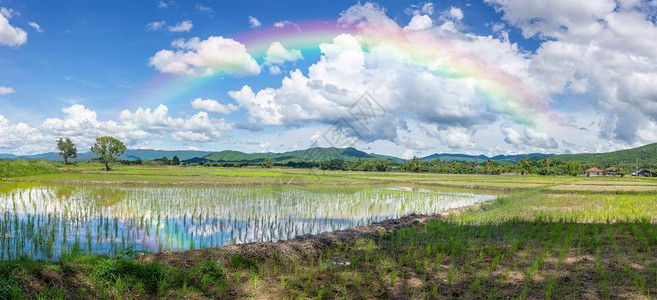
x: 42, y: 222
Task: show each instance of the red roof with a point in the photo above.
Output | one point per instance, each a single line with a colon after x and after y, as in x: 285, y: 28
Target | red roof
x: 593, y: 170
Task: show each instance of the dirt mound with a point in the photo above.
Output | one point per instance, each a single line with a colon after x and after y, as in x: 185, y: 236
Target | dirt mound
x: 301, y: 246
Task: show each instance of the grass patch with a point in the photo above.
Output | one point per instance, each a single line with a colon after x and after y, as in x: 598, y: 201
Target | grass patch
x: 20, y: 168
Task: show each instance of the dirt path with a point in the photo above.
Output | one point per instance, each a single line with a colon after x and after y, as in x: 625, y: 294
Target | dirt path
x: 301, y: 246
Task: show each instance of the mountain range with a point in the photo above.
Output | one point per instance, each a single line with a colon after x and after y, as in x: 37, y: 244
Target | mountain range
x: 645, y: 155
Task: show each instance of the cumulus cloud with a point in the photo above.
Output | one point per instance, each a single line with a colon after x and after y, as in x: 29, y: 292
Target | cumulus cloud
x: 156, y: 25
x: 213, y: 106
x: 529, y: 137
x: 420, y: 22
x: 214, y: 53
x: 254, y: 22
x: 184, y: 26
x: 337, y: 81
x: 277, y: 54
x: 6, y: 90
x: 20, y: 138
x: 81, y: 124
x: 452, y: 137
x: 600, y: 50
x: 10, y: 35
x: 456, y: 13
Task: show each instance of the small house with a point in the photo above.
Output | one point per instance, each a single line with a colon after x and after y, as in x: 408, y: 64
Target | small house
x: 613, y: 171
x: 594, y: 172
x: 644, y: 173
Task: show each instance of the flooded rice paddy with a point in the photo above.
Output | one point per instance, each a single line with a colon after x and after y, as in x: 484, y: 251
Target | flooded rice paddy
x: 44, y: 222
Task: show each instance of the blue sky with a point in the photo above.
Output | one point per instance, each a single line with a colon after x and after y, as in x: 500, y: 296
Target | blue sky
x: 84, y: 65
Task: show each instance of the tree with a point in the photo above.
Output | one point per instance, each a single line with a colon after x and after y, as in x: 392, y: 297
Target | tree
x: 524, y: 165
x: 165, y: 160
x: 67, y: 149
x: 107, y: 148
x: 268, y: 162
x: 175, y: 160
x: 382, y: 165
x: 573, y: 168
x: 414, y: 164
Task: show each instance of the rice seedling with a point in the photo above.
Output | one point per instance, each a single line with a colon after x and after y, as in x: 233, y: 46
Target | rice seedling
x: 44, y: 221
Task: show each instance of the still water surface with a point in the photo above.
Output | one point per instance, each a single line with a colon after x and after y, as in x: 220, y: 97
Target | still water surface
x: 43, y: 222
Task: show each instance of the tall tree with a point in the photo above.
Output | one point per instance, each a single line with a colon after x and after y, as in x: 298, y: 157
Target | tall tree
x: 67, y: 149
x: 414, y: 164
x: 175, y: 160
x: 108, y: 149
x: 268, y: 162
x: 524, y: 165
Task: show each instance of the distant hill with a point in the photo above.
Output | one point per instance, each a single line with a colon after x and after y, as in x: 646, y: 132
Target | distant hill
x: 317, y: 153
x: 481, y: 158
x: 647, y: 155
x: 130, y: 154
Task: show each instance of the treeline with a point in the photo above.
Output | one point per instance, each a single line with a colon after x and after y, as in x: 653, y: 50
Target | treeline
x: 525, y: 166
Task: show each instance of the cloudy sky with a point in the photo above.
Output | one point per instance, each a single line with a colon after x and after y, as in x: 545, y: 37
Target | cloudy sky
x: 392, y: 77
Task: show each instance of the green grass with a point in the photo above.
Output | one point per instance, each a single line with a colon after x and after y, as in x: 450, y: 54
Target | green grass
x: 543, y: 239
x: 19, y: 168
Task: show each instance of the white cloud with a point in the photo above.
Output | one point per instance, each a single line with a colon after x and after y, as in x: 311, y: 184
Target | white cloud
x: 451, y: 111
x: 9, y: 35
x: 427, y: 8
x: 420, y: 22
x: 274, y: 70
x: 281, y: 24
x: 36, y: 26
x: 408, y: 154
x: 529, y: 137
x: 452, y: 137
x: 202, y: 8
x: 20, y: 138
x: 254, y: 23
x: 213, y: 106
x: 9, y: 12
x: 338, y: 80
x: 137, y: 127
x: 456, y: 13
x: 184, y: 26
x: 215, y: 53
x: 6, y: 90
x: 156, y: 25
x: 277, y: 54
x: 164, y: 4
x: 548, y: 18
x: 602, y: 51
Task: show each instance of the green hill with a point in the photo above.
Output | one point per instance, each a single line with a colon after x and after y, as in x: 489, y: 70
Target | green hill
x: 483, y: 158
x: 317, y: 154
x: 646, y: 156
x: 130, y: 154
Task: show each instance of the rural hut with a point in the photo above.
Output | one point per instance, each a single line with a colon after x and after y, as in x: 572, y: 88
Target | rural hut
x: 644, y: 173
x: 613, y: 171
x: 594, y: 172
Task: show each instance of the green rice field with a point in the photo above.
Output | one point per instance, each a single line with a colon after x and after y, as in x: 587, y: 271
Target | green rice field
x: 520, y: 237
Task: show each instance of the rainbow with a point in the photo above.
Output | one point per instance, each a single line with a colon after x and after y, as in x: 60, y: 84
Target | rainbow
x: 502, y: 91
